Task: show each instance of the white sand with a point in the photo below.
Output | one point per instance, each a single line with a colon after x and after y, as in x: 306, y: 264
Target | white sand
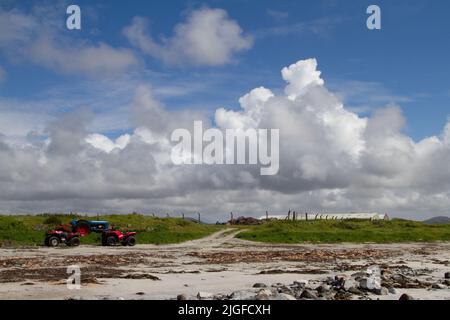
x: 219, y: 277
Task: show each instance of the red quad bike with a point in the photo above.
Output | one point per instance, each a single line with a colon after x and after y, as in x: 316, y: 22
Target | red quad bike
x: 61, y: 235
x: 113, y: 237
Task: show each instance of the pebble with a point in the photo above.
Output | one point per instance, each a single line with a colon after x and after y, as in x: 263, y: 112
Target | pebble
x: 262, y: 296
x: 355, y: 290
x: 324, y: 288
x: 283, y: 296
x: 301, y: 283
x: 381, y: 291
x: 405, y: 297
x: 392, y: 290
x: 438, y: 286
x: 204, y: 295
x: 182, y: 297
x: 350, y: 283
x: 308, y: 294
x: 243, y: 295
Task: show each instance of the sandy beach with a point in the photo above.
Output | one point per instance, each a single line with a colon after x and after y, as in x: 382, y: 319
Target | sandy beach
x: 218, y: 266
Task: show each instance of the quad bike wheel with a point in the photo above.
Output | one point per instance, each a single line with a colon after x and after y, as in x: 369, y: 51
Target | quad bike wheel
x: 111, y: 241
x: 52, y: 241
x: 131, y: 241
x: 74, y: 242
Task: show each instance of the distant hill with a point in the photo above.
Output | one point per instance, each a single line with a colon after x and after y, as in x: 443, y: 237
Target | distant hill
x: 438, y: 220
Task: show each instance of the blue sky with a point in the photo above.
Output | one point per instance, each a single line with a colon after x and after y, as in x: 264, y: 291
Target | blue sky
x: 404, y: 63
x: 86, y: 116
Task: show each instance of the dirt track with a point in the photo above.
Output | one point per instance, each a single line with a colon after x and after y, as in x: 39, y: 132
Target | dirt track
x: 218, y: 264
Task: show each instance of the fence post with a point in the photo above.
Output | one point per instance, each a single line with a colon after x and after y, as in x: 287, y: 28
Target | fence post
x: 267, y: 215
x: 199, y: 220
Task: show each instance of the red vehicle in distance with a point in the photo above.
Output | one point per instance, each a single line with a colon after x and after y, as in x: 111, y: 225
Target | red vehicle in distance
x: 113, y: 237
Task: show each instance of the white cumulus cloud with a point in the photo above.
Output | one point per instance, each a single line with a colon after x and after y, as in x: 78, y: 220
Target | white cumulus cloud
x: 331, y: 159
x: 208, y: 37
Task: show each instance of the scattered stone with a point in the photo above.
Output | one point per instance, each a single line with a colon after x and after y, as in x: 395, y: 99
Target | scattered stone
x: 350, y: 283
x: 364, y: 283
x: 330, y: 280
x: 383, y: 291
x: 308, y: 294
x: 405, y: 297
x: 27, y: 284
x: 259, y: 285
x: 75, y: 298
x: 140, y: 276
x: 322, y: 289
x: 262, y: 296
x: 367, y: 284
x: 243, y: 295
x: 338, y: 282
x: 301, y: 283
x: 204, y: 295
x: 355, y: 290
x: 284, y: 289
x: 182, y: 297
x: 276, y: 285
x: 343, y: 296
x: 438, y: 286
x: 140, y: 293
x: 392, y: 290
x: 284, y: 296
x: 447, y: 275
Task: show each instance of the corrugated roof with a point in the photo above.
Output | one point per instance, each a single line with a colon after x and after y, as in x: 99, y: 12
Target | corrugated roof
x: 330, y: 216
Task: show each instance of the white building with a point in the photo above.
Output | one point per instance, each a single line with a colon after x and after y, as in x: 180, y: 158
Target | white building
x: 328, y: 216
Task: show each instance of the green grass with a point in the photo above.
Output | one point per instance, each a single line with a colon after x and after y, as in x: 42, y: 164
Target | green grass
x: 357, y: 231
x: 30, y: 230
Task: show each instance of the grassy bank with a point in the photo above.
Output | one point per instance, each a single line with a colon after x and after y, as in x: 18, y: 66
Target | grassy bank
x: 347, y: 231
x: 30, y: 230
